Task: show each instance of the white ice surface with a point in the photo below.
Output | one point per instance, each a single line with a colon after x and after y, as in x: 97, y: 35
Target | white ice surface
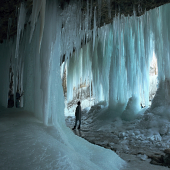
x: 27, y: 144
x: 133, y: 140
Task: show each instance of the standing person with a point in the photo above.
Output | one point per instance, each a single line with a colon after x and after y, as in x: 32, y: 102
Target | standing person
x: 78, y: 115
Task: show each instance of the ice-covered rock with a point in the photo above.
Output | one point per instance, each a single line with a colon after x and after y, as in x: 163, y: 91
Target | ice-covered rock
x: 164, y: 129
x: 142, y: 157
x: 122, y: 134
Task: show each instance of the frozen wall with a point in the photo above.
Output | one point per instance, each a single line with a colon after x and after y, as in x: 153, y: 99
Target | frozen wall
x: 40, y: 47
x: 160, y: 103
x: 12, y: 65
x: 119, y: 59
x: 4, y: 73
x: 118, y: 63
x: 11, y: 73
x: 116, y: 60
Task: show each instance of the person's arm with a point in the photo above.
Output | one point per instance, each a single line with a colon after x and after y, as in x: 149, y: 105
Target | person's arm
x: 80, y: 111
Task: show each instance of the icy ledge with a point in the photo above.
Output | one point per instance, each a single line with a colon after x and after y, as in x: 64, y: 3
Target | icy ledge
x: 27, y: 144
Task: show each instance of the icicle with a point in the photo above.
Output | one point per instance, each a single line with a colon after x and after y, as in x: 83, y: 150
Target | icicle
x: 94, y: 28
x: 42, y: 15
x: 20, y: 27
x: 38, y: 7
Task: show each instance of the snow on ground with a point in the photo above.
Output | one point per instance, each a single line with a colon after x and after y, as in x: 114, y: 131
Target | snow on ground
x: 26, y: 144
x: 134, y: 140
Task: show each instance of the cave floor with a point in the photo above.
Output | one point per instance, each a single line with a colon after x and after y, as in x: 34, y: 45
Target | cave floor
x: 133, y: 149
x: 25, y: 143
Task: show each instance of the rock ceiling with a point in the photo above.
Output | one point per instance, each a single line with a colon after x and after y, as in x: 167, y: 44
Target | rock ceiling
x: 9, y: 11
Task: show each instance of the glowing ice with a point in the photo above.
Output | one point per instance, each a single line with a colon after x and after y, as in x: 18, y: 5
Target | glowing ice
x: 43, y: 93
x: 117, y: 62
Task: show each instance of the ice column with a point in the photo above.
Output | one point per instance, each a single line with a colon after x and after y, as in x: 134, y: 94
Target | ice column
x: 38, y: 7
x: 20, y: 26
x: 119, y: 62
x: 159, y: 24
x: 44, y: 94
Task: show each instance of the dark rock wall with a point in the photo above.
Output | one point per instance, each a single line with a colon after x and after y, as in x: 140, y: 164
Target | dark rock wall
x: 9, y: 11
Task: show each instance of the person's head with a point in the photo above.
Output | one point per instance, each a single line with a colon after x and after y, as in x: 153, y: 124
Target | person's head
x: 78, y: 103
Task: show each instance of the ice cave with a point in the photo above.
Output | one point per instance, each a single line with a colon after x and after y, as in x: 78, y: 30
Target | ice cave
x: 111, y: 55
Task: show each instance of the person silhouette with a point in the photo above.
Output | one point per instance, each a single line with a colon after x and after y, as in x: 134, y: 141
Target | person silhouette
x: 77, y: 115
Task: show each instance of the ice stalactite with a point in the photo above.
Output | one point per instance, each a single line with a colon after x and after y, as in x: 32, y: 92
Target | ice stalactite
x: 81, y: 71
x: 43, y: 93
x: 161, y: 29
x: 94, y: 28
x: 38, y: 7
x: 17, y: 64
x: 119, y: 61
x: 129, y: 72
x: 4, y: 70
x: 116, y: 60
x: 20, y: 26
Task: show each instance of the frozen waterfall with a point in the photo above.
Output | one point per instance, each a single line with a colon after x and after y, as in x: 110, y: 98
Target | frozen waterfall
x: 119, y: 64
x: 50, y: 35
x: 115, y: 57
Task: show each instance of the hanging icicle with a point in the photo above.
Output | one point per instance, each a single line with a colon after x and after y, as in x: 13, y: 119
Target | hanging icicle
x: 38, y: 7
x: 94, y: 28
x: 20, y: 26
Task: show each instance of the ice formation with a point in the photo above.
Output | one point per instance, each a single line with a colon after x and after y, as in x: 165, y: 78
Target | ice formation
x: 38, y: 7
x: 115, y: 58
x: 49, y: 36
x: 119, y: 59
x: 20, y: 26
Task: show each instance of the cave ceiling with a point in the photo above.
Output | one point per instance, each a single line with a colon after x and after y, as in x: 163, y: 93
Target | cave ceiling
x: 9, y: 11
